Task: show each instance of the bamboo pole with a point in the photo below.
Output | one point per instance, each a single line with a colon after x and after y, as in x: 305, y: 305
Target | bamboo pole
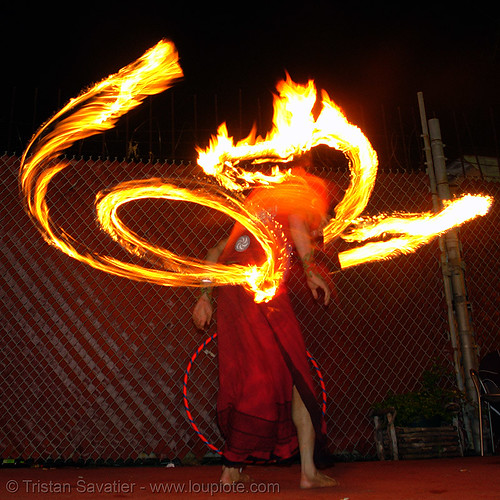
x: 455, y: 268
x: 448, y: 290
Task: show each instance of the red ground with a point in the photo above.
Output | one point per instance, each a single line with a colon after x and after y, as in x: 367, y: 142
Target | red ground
x: 458, y: 478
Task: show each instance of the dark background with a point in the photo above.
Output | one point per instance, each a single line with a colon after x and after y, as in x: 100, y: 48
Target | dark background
x: 368, y: 59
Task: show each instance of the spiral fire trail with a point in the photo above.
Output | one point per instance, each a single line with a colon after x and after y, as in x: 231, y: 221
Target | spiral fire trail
x: 295, y: 131
x: 97, y: 110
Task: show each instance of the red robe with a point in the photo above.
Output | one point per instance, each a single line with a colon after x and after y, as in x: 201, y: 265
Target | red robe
x: 262, y: 355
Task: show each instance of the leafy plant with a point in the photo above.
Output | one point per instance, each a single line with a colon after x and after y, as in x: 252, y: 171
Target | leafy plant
x: 433, y: 405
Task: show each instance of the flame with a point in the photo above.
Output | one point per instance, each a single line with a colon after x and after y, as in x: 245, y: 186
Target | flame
x: 92, y: 112
x: 97, y: 110
x: 295, y: 193
x: 296, y: 129
x: 182, y: 271
x: 415, y: 230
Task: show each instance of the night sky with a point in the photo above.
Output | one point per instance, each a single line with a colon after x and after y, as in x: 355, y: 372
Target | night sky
x: 362, y: 56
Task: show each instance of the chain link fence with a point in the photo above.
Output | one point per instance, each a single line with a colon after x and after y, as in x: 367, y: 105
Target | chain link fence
x: 92, y: 365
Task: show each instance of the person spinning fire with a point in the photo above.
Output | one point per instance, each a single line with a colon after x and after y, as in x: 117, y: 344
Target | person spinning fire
x: 266, y: 405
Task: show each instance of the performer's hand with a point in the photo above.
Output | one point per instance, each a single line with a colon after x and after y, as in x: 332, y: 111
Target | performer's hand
x: 202, y: 312
x: 315, y: 282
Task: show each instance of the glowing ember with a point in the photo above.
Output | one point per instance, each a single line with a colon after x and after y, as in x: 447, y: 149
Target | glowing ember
x: 295, y: 131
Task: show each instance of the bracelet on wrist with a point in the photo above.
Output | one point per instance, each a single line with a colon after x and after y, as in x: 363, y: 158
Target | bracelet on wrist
x: 206, y: 290
x: 308, y: 263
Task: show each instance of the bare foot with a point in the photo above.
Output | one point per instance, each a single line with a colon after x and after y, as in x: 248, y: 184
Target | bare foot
x: 233, y: 475
x: 317, y: 480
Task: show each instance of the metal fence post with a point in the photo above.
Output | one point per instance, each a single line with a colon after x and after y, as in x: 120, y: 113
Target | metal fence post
x: 456, y: 272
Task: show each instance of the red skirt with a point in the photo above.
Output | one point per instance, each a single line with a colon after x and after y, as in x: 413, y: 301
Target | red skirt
x: 262, y: 355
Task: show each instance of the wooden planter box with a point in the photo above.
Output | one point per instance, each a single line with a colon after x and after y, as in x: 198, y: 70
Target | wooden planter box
x: 400, y: 443
x: 428, y: 442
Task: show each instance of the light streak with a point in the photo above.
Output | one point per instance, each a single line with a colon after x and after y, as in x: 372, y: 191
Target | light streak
x: 415, y: 230
x: 181, y: 271
x: 295, y: 130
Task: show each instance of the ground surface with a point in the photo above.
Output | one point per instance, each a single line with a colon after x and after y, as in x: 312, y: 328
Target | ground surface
x: 458, y: 478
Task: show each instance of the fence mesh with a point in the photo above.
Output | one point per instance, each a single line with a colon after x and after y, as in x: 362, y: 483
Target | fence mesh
x: 92, y: 365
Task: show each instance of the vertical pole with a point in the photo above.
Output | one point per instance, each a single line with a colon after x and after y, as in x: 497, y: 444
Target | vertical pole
x: 403, y: 140
x: 103, y: 145
x: 387, y: 142
x: 259, y: 116
x: 495, y: 135
x: 448, y: 289
x: 455, y: 267
x: 127, y: 137
x: 240, y: 116
x: 150, y: 123
x: 216, y: 111
x: 35, y: 103
x: 11, y: 118
x: 172, y: 125
x: 195, y: 117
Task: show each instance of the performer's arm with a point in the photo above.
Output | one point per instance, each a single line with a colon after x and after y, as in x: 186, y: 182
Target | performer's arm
x: 202, y: 312
x: 302, y: 239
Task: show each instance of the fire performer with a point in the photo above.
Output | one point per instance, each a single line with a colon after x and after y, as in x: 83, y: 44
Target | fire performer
x: 266, y: 405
